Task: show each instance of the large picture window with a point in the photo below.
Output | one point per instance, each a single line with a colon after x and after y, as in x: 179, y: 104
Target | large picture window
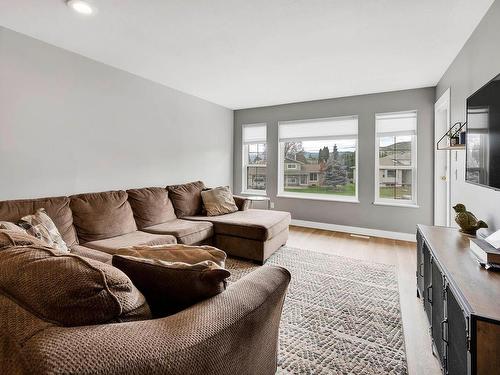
x: 318, y: 158
x: 254, y: 158
x: 396, y: 158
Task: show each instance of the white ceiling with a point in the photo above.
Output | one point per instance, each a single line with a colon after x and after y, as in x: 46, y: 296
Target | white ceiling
x: 249, y: 53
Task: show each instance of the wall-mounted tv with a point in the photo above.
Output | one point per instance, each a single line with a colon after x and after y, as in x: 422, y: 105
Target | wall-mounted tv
x: 483, y: 136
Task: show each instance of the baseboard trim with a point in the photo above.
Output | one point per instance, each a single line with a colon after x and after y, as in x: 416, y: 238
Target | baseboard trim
x: 356, y: 230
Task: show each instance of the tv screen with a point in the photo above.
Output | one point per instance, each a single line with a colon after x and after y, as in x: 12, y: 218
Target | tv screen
x: 483, y: 136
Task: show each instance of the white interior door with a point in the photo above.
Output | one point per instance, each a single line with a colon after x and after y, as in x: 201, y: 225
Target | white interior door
x: 441, y: 162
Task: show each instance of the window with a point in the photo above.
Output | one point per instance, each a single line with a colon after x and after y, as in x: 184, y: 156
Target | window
x: 254, y: 158
x: 317, y: 159
x: 395, y: 159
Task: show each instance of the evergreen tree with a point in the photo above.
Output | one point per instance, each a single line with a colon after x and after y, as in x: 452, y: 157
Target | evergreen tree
x: 324, y: 154
x: 336, y: 172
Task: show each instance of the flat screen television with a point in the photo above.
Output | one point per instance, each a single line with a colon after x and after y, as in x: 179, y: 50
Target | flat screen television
x: 483, y: 136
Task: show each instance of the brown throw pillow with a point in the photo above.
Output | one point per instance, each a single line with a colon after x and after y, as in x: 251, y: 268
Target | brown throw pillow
x: 41, y: 226
x: 170, y: 287
x: 67, y: 289
x: 186, y: 198
x: 219, y: 201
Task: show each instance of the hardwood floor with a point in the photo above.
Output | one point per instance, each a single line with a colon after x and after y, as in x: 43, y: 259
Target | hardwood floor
x: 399, y: 253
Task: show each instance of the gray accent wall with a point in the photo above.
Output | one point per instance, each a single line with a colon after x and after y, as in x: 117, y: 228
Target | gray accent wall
x: 476, y: 64
x: 364, y: 214
x: 69, y: 124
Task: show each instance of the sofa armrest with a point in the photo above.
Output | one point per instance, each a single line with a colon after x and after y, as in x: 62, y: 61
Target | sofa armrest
x: 235, y: 332
x: 243, y: 203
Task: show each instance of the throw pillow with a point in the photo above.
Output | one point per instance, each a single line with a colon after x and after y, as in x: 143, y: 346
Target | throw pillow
x: 170, y: 287
x: 67, y: 289
x: 41, y: 226
x: 186, y: 198
x: 10, y: 238
x: 219, y: 201
x: 11, y: 226
x: 177, y: 253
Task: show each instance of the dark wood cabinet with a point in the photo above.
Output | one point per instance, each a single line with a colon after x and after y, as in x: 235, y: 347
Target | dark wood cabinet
x: 461, y: 300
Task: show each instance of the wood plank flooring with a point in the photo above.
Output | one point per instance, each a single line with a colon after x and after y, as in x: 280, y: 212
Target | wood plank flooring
x: 399, y: 253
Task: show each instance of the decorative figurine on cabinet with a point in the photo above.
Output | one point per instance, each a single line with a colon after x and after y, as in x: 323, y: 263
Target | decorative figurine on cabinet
x: 466, y: 220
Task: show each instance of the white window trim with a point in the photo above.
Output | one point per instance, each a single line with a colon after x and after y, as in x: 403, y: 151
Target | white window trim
x: 398, y: 202
x: 244, y: 166
x: 311, y: 196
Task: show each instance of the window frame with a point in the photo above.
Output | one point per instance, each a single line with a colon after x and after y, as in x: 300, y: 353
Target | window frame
x: 245, y: 165
x: 413, y: 203
x: 281, y: 193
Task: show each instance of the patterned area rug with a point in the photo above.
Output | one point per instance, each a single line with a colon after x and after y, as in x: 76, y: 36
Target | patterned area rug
x: 341, y: 315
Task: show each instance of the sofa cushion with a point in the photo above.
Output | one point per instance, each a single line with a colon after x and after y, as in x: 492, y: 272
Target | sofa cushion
x: 186, y: 198
x: 252, y: 224
x: 41, y: 226
x: 186, y: 232
x: 102, y: 215
x: 69, y: 290
x: 111, y: 245
x: 170, y: 287
x: 218, y: 201
x: 57, y: 208
x: 151, y: 206
x: 87, y: 252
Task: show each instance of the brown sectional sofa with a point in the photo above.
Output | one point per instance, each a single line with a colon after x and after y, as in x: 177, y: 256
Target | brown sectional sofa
x: 235, y: 332
x: 97, y: 225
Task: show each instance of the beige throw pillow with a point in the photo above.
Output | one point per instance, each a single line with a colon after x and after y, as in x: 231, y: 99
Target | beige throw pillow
x: 7, y: 225
x: 177, y: 253
x: 218, y: 201
x: 41, y: 226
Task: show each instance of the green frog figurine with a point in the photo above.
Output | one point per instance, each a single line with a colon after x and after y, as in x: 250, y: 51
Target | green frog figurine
x: 467, y: 221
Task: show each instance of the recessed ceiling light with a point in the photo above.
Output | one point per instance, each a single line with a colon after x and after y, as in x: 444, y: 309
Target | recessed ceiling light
x: 80, y: 6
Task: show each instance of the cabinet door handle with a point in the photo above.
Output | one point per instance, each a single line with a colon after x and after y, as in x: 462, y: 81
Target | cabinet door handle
x: 429, y: 288
x: 443, y: 323
x: 420, y: 270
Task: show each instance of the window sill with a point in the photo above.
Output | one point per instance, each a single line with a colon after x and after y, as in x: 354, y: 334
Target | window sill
x: 396, y: 204
x: 254, y: 192
x: 319, y: 197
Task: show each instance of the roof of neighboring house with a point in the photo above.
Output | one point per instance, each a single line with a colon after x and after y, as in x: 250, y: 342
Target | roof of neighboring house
x: 311, y: 167
x: 288, y: 160
x: 401, y: 159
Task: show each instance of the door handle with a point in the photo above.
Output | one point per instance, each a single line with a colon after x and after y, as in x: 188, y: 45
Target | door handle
x: 444, y: 178
x: 443, y: 323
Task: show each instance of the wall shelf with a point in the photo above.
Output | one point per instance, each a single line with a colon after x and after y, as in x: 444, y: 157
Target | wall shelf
x: 454, y: 133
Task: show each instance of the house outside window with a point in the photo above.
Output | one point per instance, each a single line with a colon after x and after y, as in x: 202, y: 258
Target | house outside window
x: 396, y: 158
x: 318, y: 159
x: 254, y: 171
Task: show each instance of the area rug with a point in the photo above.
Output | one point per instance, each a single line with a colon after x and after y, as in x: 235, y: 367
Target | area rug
x: 341, y: 315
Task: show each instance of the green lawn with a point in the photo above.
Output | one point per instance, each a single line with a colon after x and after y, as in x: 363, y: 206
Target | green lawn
x: 347, y: 189
x: 394, y: 192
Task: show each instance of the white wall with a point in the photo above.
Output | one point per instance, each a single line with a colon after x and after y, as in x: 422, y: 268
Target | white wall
x: 69, y: 124
x: 474, y: 66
